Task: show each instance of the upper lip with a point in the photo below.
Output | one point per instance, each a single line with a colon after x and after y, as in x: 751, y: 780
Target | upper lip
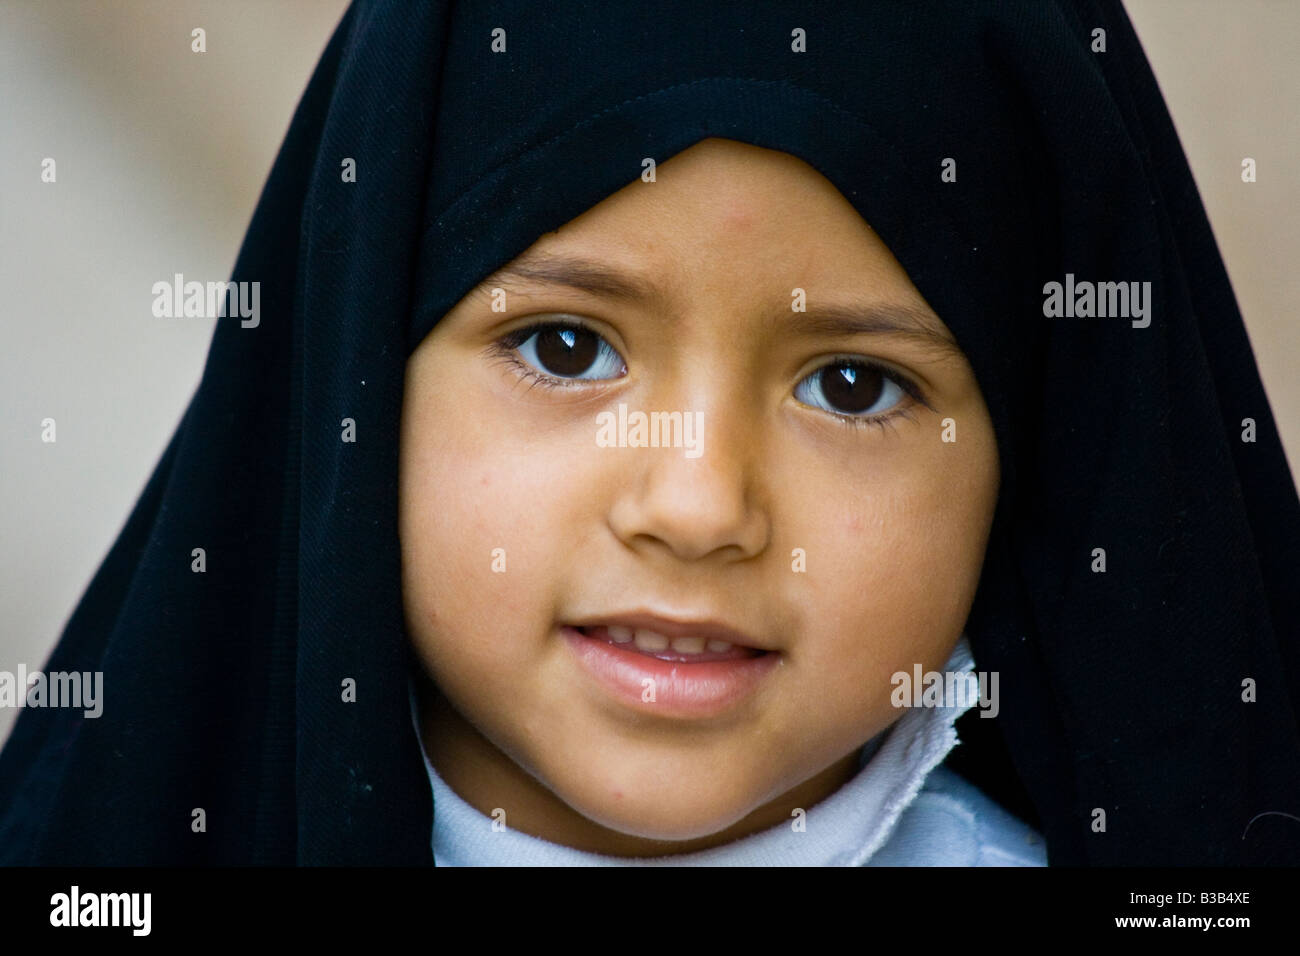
x: 673, y: 627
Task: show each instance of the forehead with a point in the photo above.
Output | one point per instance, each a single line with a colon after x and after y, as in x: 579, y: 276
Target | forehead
x: 733, y: 187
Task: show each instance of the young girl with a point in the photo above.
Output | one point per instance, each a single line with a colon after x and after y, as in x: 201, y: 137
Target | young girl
x: 623, y: 441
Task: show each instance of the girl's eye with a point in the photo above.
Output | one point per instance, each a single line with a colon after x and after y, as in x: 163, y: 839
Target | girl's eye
x: 851, y: 388
x: 567, y: 351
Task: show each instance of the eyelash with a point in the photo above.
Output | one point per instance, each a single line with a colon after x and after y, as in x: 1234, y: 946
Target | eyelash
x: 506, y: 348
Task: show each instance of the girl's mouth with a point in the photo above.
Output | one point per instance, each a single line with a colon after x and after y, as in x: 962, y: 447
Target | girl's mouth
x: 685, y: 676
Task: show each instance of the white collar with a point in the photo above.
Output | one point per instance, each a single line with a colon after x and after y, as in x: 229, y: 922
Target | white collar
x: 845, y: 829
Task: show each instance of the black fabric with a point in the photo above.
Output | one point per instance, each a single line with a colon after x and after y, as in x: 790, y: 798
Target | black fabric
x: 1120, y: 691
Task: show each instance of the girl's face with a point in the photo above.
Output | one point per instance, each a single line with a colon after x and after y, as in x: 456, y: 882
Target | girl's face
x: 803, y: 503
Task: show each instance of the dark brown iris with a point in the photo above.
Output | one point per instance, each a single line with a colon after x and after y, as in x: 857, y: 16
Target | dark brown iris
x: 567, y: 351
x: 850, y: 388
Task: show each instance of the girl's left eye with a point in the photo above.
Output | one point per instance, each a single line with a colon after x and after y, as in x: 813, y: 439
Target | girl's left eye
x: 853, y: 389
x: 566, y: 351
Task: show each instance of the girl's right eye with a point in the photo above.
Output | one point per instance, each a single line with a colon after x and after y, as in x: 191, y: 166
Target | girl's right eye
x: 566, y: 351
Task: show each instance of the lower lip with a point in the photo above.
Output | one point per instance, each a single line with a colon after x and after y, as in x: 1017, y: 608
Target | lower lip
x: 681, y: 689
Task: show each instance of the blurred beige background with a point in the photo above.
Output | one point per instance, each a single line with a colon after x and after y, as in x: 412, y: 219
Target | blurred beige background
x: 161, y: 156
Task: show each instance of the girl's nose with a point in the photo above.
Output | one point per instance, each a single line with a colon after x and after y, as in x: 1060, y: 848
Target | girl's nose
x: 694, y: 507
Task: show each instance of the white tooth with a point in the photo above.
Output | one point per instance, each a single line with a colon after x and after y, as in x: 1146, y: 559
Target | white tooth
x: 718, y: 647
x: 688, y: 645
x: 650, y: 641
x: 619, y: 635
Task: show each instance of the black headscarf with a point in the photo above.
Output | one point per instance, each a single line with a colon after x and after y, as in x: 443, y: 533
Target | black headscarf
x: 1120, y: 690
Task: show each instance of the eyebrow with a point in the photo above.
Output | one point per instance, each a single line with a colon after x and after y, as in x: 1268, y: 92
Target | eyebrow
x: 898, y: 320
x: 575, y: 273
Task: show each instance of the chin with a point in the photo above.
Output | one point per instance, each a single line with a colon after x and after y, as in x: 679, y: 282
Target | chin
x: 670, y: 819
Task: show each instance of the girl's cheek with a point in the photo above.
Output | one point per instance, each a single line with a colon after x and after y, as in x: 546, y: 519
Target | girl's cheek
x: 896, y: 548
